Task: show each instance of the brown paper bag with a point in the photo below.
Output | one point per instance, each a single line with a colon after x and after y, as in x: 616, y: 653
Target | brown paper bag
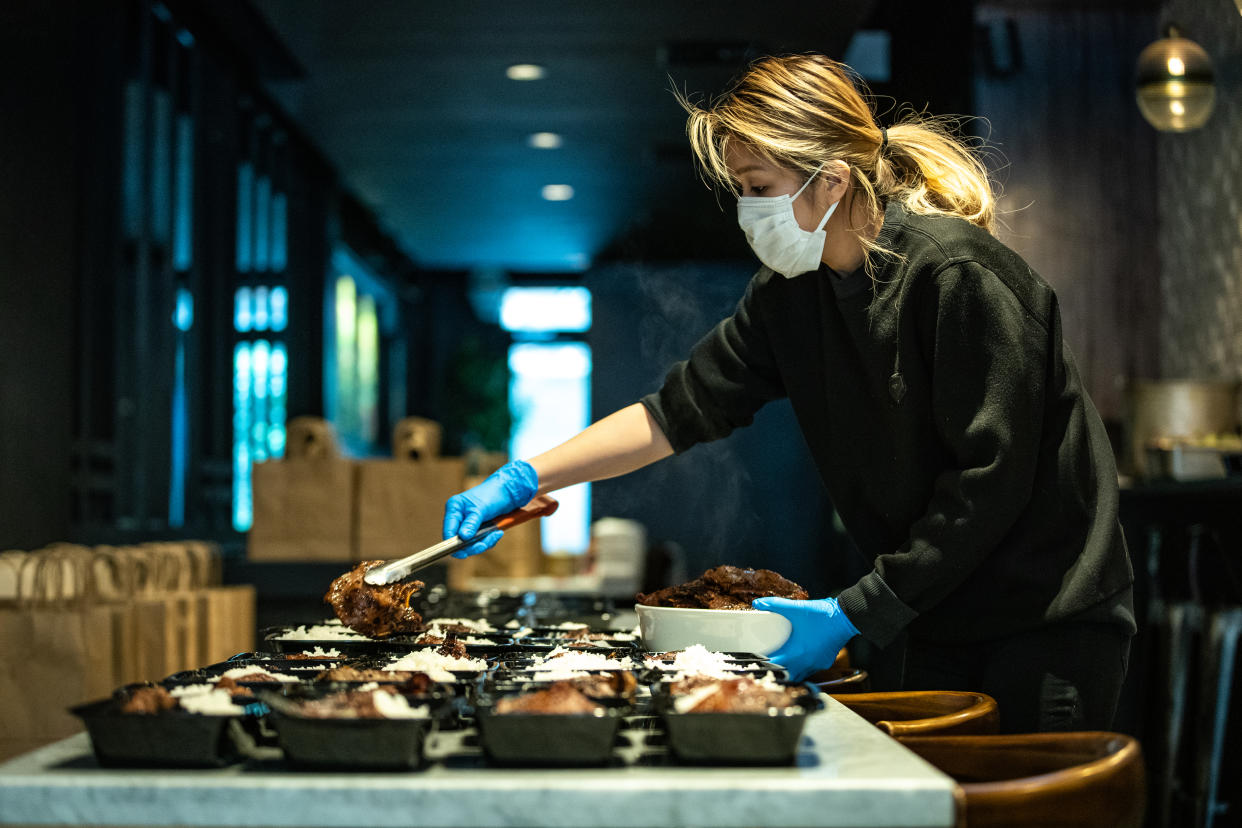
x: 182, y: 574
x: 57, y: 653
x: 400, y: 505
x: 111, y: 586
x: 225, y: 614
x: 227, y: 622
x: 303, y: 510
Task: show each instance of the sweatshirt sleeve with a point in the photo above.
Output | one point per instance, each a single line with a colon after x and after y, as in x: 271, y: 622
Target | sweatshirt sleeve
x: 989, y: 360
x: 730, y: 375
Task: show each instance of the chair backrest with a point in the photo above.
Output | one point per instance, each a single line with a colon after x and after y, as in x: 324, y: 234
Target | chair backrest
x: 838, y: 679
x: 1091, y: 779
x: 926, y: 712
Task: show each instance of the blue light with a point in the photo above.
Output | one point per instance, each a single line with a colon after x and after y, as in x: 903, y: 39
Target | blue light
x: 183, y: 315
x: 242, y: 317
x: 260, y: 308
x: 539, y: 310
x: 279, y: 299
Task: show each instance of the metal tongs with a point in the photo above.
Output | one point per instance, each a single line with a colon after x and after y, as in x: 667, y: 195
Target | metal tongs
x: 393, y: 571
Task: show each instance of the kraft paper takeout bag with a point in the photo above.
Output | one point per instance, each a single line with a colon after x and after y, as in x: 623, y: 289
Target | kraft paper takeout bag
x: 400, y: 504
x: 58, y: 652
x: 303, y: 510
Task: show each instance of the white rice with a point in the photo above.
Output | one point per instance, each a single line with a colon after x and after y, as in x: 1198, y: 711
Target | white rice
x: 435, y: 664
x: 206, y: 700
x: 563, y: 658
x: 396, y: 706
x: 698, y: 660
x: 559, y: 674
x: 320, y: 652
x: 321, y: 632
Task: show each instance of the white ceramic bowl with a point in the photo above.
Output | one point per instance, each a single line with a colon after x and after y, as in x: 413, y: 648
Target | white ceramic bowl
x: 728, y: 631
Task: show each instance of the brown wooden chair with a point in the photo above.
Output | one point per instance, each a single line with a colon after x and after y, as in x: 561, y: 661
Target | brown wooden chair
x: 841, y: 679
x: 925, y: 712
x: 1091, y: 779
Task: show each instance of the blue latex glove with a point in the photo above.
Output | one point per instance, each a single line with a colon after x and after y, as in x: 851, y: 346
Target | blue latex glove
x: 820, y: 630
x: 509, y: 487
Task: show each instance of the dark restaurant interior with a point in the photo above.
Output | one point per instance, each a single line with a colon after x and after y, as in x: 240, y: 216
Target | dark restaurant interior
x: 241, y: 233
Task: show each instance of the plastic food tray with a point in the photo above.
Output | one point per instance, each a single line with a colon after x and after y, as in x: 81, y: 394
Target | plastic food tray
x: 348, y: 743
x: 175, y: 738
x: 548, y: 739
x: 766, y: 738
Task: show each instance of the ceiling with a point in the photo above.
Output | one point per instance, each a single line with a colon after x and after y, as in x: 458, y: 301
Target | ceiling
x: 411, y: 103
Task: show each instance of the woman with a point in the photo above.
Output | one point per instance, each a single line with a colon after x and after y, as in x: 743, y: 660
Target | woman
x: 924, y: 362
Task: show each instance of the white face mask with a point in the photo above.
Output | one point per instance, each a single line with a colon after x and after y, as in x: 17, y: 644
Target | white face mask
x: 775, y: 235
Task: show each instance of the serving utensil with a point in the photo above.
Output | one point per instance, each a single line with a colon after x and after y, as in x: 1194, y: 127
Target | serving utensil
x: 393, y: 571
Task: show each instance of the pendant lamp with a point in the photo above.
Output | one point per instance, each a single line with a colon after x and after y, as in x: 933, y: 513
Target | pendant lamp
x: 1175, y: 87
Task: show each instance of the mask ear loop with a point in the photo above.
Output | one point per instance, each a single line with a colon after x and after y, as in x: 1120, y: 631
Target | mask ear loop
x: 832, y: 208
x: 814, y: 175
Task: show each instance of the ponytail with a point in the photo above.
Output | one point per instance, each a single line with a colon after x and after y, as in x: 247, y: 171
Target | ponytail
x: 930, y: 170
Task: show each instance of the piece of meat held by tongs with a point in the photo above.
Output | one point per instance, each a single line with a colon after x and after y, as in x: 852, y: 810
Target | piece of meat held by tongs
x: 374, y: 611
x: 393, y: 571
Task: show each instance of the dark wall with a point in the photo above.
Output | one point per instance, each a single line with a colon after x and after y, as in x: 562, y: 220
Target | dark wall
x: 1199, y: 190
x: 38, y: 228
x: 1077, y: 164
x: 752, y: 499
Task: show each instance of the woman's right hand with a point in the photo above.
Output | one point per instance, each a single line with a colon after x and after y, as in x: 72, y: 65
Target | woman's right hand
x: 510, y: 487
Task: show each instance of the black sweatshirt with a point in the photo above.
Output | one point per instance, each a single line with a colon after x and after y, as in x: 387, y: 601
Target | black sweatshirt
x: 948, y: 422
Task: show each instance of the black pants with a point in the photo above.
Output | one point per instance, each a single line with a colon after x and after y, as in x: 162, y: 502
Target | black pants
x: 1060, y: 678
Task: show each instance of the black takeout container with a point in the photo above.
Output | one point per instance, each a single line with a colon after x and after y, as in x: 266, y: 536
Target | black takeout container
x: 761, y: 738
x: 547, y: 739
x: 348, y: 743
x: 273, y: 641
x: 171, y: 738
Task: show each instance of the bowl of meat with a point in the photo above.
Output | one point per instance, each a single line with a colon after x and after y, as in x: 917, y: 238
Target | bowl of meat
x: 714, y: 610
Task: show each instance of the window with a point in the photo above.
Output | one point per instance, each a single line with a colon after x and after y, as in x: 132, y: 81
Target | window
x: 260, y: 377
x: 550, y: 392
x: 362, y: 318
x: 260, y: 310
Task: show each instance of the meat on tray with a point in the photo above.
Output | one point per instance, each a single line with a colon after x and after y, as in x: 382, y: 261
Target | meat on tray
x: 411, y: 680
x: 699, y: 694
x: 148, y: 700
x: 615, y: 684
x: 383, y: 702
x: 725, y: 587
x: 560, y: 697
x: 375, y: 611
x: 444, y: 646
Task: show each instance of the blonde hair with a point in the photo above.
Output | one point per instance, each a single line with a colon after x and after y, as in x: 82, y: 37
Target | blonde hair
x: 801, y: 110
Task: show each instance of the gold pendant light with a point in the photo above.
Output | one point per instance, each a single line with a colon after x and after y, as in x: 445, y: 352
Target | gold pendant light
x: 1176, y: 90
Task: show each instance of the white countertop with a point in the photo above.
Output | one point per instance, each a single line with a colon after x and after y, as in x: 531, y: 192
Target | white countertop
x: 848, y: 773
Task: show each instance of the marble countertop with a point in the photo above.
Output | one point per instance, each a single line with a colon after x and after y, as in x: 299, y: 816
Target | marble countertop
x: 848, y: 773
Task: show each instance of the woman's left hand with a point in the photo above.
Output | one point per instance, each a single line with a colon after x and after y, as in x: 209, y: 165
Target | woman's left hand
x: 820, y: 630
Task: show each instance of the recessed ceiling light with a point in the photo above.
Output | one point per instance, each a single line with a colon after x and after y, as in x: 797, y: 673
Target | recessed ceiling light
x: 558, y: 192
x: 524, y: 72
x: 544, y: 140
